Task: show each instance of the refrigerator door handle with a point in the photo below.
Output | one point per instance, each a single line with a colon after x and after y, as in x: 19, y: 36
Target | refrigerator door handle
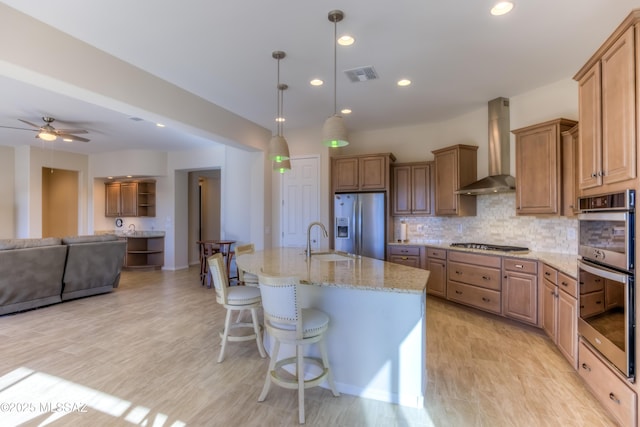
x: 359, y: 237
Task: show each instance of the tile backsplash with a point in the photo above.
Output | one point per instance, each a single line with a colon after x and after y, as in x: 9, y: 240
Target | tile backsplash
x: 496, y: 222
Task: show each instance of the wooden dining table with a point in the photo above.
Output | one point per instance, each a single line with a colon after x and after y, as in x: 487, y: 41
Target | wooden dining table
x: 210, y: 247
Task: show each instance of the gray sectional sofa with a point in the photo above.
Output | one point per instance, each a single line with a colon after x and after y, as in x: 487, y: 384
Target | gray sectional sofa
x: 39, y: 272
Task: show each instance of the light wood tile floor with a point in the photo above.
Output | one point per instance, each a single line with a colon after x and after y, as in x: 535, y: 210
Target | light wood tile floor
x: 146, y: 355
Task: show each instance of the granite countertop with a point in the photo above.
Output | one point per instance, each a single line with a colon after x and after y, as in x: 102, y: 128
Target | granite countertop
x: 141, y: 233
x: 567, y: 263
x: 336, y: 269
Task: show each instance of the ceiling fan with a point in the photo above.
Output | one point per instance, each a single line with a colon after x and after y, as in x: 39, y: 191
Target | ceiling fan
x: 47, y: 132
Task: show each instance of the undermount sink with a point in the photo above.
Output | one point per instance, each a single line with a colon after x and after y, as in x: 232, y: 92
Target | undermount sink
x: 330, y: 257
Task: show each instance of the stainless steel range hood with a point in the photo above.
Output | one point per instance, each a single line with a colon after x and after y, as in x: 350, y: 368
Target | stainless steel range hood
x: 499, y: 179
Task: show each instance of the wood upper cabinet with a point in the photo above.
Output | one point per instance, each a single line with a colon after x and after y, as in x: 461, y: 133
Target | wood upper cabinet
x: 130, y: 199
x: 569, y: 172
x: 608, y: 90
x: 411, y: 189
x: 361, y: 173
x: 455, y: 167
x: 538, y: 167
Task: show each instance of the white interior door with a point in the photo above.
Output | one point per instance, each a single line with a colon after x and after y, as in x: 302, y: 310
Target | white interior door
x: 300, y: 202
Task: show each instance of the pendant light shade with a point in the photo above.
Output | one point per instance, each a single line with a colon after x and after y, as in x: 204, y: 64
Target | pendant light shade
x: 278, y: 147
x: 334, y: 131
x: 282, y: 166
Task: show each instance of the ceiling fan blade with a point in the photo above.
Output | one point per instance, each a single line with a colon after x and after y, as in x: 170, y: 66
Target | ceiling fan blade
x: 11, y: 127
x: 72, y: 137
x: 30, y: 124
x: 60, y: 131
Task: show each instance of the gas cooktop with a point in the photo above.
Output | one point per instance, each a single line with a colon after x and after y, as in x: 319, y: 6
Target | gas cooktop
x: 490, y: 247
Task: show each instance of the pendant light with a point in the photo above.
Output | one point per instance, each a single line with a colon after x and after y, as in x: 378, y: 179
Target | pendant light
x: 334, y: 131
x: 278, y: 147
x: 282, y: 166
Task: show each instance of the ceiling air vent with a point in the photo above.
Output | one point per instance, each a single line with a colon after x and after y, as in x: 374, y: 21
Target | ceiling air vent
x: 361, y: 74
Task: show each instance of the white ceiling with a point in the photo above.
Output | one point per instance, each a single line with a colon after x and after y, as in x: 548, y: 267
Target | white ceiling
x: 457, y: 55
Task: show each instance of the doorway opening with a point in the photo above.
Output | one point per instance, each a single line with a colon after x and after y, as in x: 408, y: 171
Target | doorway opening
x: 59, y: 202
x: 204, y: 209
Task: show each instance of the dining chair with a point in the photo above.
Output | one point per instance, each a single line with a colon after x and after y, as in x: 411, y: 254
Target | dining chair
x: 287, y: 323
x: 235, y: 298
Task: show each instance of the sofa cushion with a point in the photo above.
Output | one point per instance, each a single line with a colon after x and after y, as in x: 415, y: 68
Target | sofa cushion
x: 89, y: 239
x: 7, y: 244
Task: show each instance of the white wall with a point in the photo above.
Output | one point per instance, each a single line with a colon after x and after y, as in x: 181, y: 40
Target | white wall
x: 415, y: 143
x: 7, y: 183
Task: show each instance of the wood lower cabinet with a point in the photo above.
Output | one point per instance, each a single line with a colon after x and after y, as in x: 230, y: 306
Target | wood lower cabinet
x: 520, y: 290
x: 130, y: 199
x: 411, y: 256
x: 455, y: 167
x: 559, y: 311
x: 538, y: 167
x: 611, y: 390
x: 437, y: 266
x: 144, y: 253
x: 475, y: 280
x: 608, y: 93
x: 361, y: 173
x: 411, y: 189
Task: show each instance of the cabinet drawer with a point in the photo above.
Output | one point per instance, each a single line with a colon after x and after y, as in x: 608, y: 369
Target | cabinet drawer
x: 411, y: 261
x: 590, y: 282
x: 521, y: 265
x: 485, y: 277
x: 591, y: 304
x: 436, y: 253
x: 471, y: 258
x: 609, y: 389
x: 484, y: 299
x: 550, y: 273
x: 404, y: 250
x: 568, y: 284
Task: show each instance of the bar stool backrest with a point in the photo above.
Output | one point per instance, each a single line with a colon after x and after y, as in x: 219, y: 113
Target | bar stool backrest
x: 218, y: 271
x: 280, y: 304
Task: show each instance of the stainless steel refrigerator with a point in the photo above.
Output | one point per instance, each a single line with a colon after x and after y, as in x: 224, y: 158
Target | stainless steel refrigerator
x: 360, y: 224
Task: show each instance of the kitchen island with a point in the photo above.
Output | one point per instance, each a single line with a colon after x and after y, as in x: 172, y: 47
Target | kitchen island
x: 377, y: 333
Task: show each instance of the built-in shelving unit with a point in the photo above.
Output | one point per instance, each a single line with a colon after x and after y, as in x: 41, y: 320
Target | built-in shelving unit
x: 144, y: 252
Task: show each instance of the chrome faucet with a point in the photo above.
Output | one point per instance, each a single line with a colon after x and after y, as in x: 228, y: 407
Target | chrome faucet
x: 324, y: 231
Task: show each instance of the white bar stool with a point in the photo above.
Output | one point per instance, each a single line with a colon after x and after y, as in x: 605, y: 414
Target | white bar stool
x: 287, y: 323
x: 235, y: 298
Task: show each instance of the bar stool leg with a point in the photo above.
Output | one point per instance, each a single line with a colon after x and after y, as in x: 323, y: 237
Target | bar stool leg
x: 272, y: 366
x: 256, y: 329
x: 300, y: 354
x: 225, y: 335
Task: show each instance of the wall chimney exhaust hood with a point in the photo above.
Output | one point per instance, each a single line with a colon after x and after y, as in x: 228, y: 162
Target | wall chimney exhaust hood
x: 499, y: 179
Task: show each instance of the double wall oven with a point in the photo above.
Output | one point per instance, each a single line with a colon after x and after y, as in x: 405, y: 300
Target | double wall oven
x: 606, y: 268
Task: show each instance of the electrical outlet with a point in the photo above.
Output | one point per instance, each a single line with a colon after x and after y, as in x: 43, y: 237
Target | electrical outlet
x: 571, y: 233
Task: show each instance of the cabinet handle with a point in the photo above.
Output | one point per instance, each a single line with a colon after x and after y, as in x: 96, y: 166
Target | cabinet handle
x: 486, y: 277
x: 593, y: 175
x: 458, y: 292
x: 546, y: 273
x: 614, y: 398
x: 565, y: 284
x: 458, y: 272
x: 404, y: 258
x: 586, y: 367
x: 485, y: 299
x: 519, y: 266
x: 598, y: 302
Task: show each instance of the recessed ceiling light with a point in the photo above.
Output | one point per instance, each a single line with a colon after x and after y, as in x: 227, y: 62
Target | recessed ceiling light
x: 404, y: 82
x: 346, y: 40
x: 280, y: 119
x: 129, y: 176
x: 316, y: 82
x: 345, y: 111
x: 501, y: 8
x: 160, y: 125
